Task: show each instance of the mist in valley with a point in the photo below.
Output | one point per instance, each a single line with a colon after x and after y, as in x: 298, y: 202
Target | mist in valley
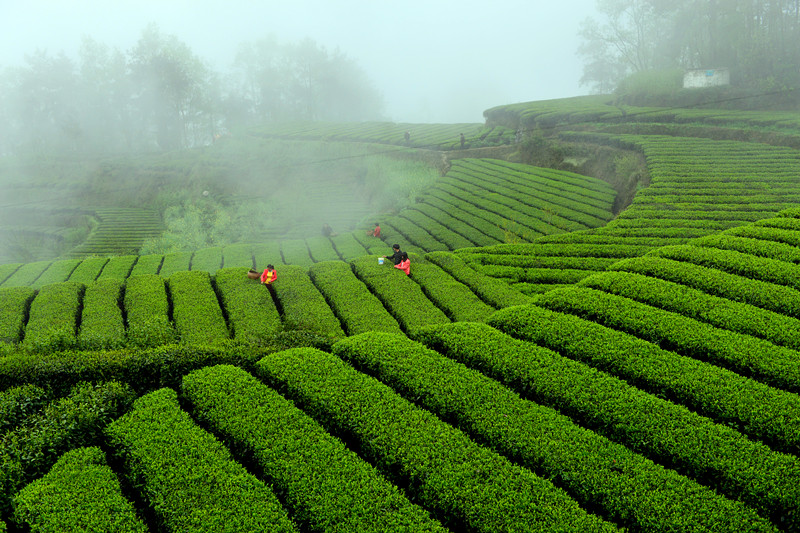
x: 161, y: 106
x: 152, y: 104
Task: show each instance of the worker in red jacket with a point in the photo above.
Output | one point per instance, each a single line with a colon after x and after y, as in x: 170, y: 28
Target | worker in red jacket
x: 404, y: 264
x: 376, y: 232
x: 269, y: 275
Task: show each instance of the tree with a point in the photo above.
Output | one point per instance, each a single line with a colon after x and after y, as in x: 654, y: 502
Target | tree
x: 171, y: 86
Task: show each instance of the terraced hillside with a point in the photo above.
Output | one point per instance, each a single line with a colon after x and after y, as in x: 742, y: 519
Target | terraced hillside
x: 653, y: 385
x: 674, y: 374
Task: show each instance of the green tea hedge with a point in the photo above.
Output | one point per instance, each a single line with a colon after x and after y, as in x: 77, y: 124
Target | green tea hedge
x: 325, y: 485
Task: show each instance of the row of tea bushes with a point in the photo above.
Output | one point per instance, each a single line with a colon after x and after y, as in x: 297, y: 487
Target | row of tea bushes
x: 734, y: 262
x: 80, y: 490
x: 54, y: 314
x: 302, y: 305
x: 32, y: 447
x: 14, y: 303
x: 719, y: 312
x: 19, y: 402
x: 147, y: 311
x: 400, y: 295
x: 249, y: 307
x: 321, y: 481
x: 351, y: 301
x: 663, y: 431
x: 467, y: 486
x: 195, y: 308
x: 744, y: 354
x: 766, y: 295
x: 460, y: 218
x: 457, y: 301
x: 205, y: 489
x: 548, y: 209
x: 102, y: 324
x: 490, y: 290
x: 577, y: 189
x: 449, y: 238
x: 753, y: 407
x: 594, y: 470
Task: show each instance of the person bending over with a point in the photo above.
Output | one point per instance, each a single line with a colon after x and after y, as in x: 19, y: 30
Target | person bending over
x: 396, y: 256
x: 404, y: 264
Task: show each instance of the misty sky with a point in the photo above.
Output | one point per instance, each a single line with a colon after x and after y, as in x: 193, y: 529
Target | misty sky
x: 433, y: 60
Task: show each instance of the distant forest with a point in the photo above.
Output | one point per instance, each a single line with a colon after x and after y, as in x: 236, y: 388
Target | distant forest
x: 160, y: 96
x: 758, y: 40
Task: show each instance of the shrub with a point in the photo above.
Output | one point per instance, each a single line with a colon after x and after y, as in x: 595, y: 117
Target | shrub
x: 77, y: 420
x: 629, y: 489
x: 207, y: 259
x: 249, y: 306
x: 302, y: 305
x: 118, y: 267
x: 102, y: 325
x: 399, y: 293
x: 80, y: 493
x: 193, y: 483
x: 326, y: 486
x: 147, y: 264
x: 147, y: 311
x: 53, y: 317
x: 19, y: 402
x: 659, y: 429
x: 14, y: 304
x: 175, y: 262
x: 350, y: 300
x: 57, y: 272
x: 469, y: 487
x: 453, y: 297
x: 493, y: 292
x: 88, y: 269
x: 195, y: 308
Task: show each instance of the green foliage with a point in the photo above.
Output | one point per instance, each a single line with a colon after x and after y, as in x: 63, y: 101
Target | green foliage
x: 467, y: 486
x: 145, y: 369
x: 207, y: 259
x: 88, y: 269
x: 77, y: 420
x: 53, y: 317
x: 192, y: 484
x: 720, y: 394
x: 80, y: 493
x: 147, y: 264
x: 593, y: 469
x: 399, y: 294
x: 457, y: 301
x: 350, y: 299
x: 719, y: 312
x: 325, y: 485
x: 102, y: 325
x: 248, y: 305
x: 147, y: 311
x: 14, y: 303
x: 195, y: 308
x: 19, y: 402
x: 491, y: 291
x: 302, y: 306
x: 118, y: 267
x: 713, y: 453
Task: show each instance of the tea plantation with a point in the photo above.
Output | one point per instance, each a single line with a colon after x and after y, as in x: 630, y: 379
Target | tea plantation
x: 552, y: 363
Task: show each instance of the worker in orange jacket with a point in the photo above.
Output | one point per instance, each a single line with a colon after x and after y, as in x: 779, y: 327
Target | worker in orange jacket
x: 269, y: 275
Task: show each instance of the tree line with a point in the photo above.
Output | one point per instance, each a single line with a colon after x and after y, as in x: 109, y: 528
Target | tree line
x: 159, y: 95
x: 756, y: 39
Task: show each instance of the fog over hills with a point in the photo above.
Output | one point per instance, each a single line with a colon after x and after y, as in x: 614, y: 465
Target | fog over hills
x: 443, y: 61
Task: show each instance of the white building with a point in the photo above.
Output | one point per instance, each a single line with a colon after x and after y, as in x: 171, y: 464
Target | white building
x: 712, y: 77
